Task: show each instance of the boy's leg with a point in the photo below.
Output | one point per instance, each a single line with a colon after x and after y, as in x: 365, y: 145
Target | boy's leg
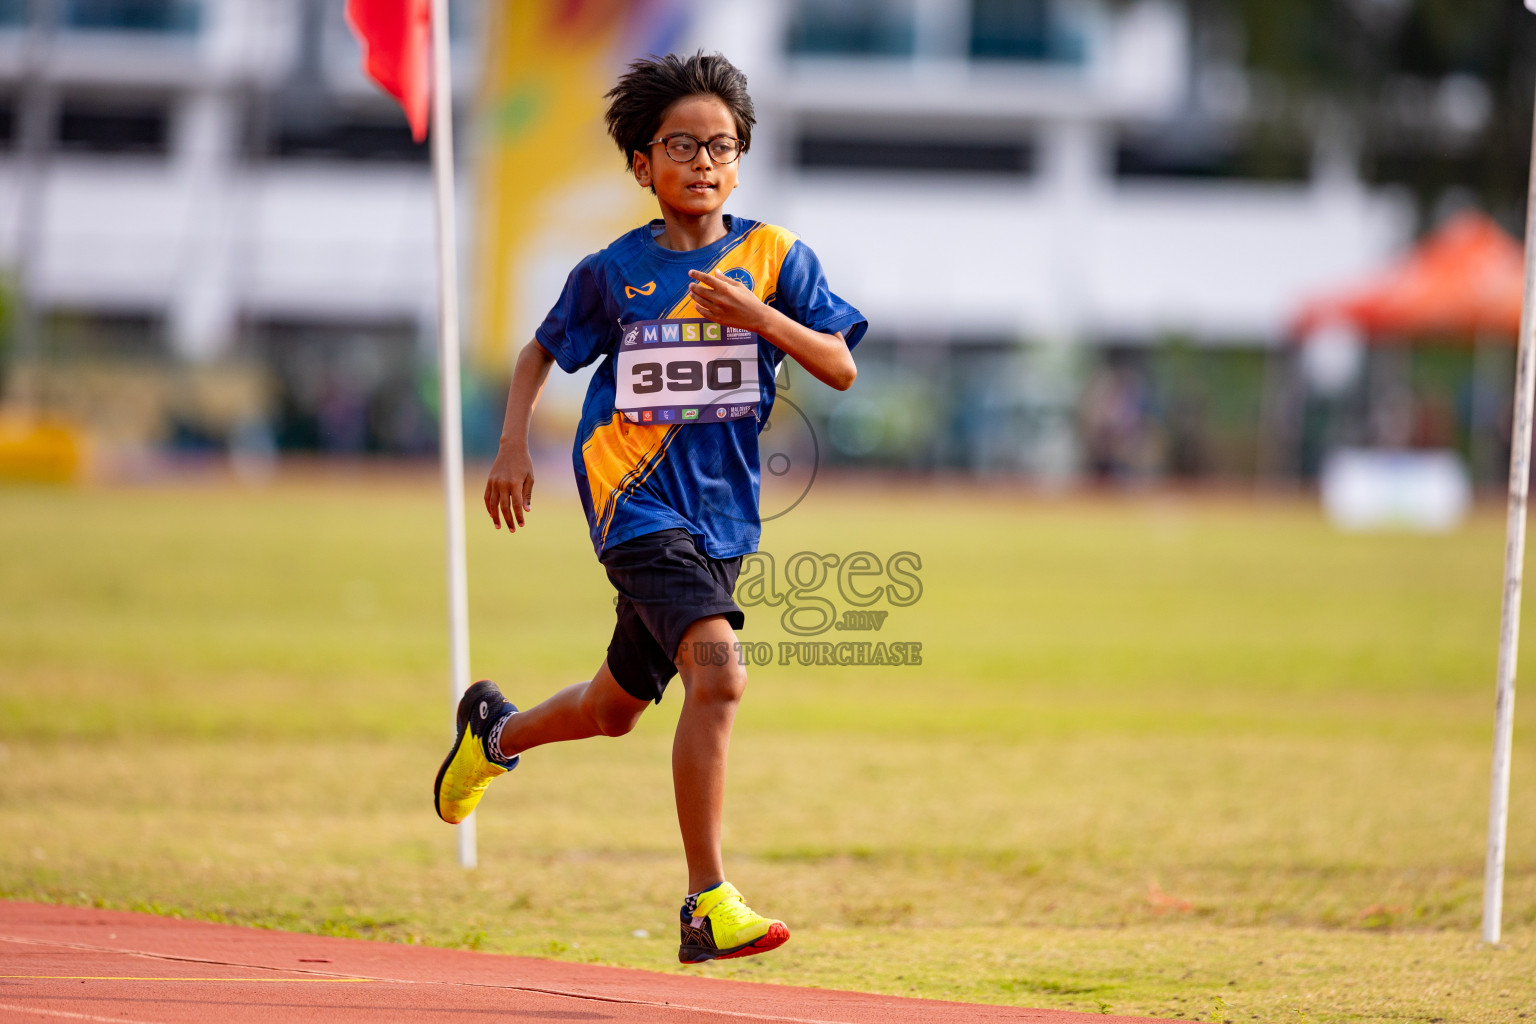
x: 712, y: 692
x: 492, y: 733
x: 598, y: 707
x: 716, y: 922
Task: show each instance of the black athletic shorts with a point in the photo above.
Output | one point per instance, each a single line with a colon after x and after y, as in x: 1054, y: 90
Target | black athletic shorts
x: 665, y: 585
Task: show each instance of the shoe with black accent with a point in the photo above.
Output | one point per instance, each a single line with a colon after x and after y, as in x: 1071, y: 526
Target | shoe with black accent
x: 475, y: 758
x: 718, y: 925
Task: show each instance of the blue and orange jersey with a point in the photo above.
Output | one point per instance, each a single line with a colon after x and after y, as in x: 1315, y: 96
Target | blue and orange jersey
x: 634, y: 477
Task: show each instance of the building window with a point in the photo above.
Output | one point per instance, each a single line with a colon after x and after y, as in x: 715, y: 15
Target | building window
x: 876, y: 28
x: 1172, y: 155
x: 1025, y: 30
x: 371, y: 135
x: 103, y: 334
x: 822, y: 151
x: 89, y: 125
x: 181, y: 16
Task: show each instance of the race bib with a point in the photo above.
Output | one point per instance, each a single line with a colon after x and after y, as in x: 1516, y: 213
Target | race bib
x: 685, y: 371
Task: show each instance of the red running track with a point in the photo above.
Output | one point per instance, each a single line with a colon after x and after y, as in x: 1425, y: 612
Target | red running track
x: 79, y: 964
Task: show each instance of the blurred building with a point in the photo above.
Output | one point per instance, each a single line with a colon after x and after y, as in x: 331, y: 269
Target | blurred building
x: 998, y: 182
x: 1042, y: 168
x: 1005, y: 186
x: 200, y: 181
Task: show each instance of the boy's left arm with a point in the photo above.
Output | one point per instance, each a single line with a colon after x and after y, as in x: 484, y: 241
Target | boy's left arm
x: 825, y: 356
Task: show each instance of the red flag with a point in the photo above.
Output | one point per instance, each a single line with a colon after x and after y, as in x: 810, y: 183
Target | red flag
x: 396, y: 37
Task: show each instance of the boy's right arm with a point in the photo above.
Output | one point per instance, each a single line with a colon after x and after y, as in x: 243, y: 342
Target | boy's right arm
x: 509, y: 491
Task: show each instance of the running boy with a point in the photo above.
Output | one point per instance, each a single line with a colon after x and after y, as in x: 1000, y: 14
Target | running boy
x: 694, y: 312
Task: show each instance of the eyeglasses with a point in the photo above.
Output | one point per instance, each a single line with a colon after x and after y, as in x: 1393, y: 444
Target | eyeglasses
x: 723, y: 149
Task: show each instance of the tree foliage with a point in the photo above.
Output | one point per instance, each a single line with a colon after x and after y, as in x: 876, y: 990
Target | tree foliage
x: 1435, y: 94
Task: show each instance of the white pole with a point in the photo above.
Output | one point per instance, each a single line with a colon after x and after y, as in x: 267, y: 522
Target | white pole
x: 451, y: 429
x: 1514, y: 563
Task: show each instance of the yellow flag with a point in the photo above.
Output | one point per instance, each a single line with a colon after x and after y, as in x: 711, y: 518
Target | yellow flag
x: 552, y: 185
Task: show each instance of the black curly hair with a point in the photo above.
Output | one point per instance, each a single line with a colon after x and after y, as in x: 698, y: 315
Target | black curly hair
x: 652, y: 84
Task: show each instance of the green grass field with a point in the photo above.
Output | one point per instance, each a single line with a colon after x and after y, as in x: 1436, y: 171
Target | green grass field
x: 1196, y: 758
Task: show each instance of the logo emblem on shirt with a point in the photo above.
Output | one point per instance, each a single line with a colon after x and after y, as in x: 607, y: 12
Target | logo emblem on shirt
x: 720, y: 414
x: 630, y: 291
x: 645, y: 415
x: 690, y: 414
x: 739, y: 275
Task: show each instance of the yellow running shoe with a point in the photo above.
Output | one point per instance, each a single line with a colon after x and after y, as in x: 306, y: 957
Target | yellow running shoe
x: 718, y: 925
x: 476, y: 755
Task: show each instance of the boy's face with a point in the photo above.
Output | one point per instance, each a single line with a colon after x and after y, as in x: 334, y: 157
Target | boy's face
x: 697, y: 187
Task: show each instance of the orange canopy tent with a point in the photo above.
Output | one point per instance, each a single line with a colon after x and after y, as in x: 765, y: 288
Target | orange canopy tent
x: 1464, y: 280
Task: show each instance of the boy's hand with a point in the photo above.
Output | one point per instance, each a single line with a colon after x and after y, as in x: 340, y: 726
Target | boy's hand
x: 733, y: 304
x: 509, y: 491
x: 726, y: 301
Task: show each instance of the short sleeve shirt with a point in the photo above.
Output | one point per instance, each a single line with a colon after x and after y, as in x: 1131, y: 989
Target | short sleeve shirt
x: 703, y: 477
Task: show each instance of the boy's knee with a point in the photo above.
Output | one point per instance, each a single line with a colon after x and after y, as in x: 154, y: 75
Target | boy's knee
x: 616, y: 722
x: 718, y: 684
x: 611, y: 719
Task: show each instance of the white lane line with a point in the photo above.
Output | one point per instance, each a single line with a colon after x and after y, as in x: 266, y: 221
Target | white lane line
x: 70, y: 1016
x: 180, y: 959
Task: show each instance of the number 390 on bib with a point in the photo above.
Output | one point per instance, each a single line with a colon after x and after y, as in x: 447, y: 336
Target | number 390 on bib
x: 685, y: 371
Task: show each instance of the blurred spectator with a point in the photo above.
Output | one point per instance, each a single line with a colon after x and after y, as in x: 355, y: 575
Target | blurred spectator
x: 1114, y: 417
x: 1434, y: 421
x: 1188, y: 445
x: 343, y: 416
